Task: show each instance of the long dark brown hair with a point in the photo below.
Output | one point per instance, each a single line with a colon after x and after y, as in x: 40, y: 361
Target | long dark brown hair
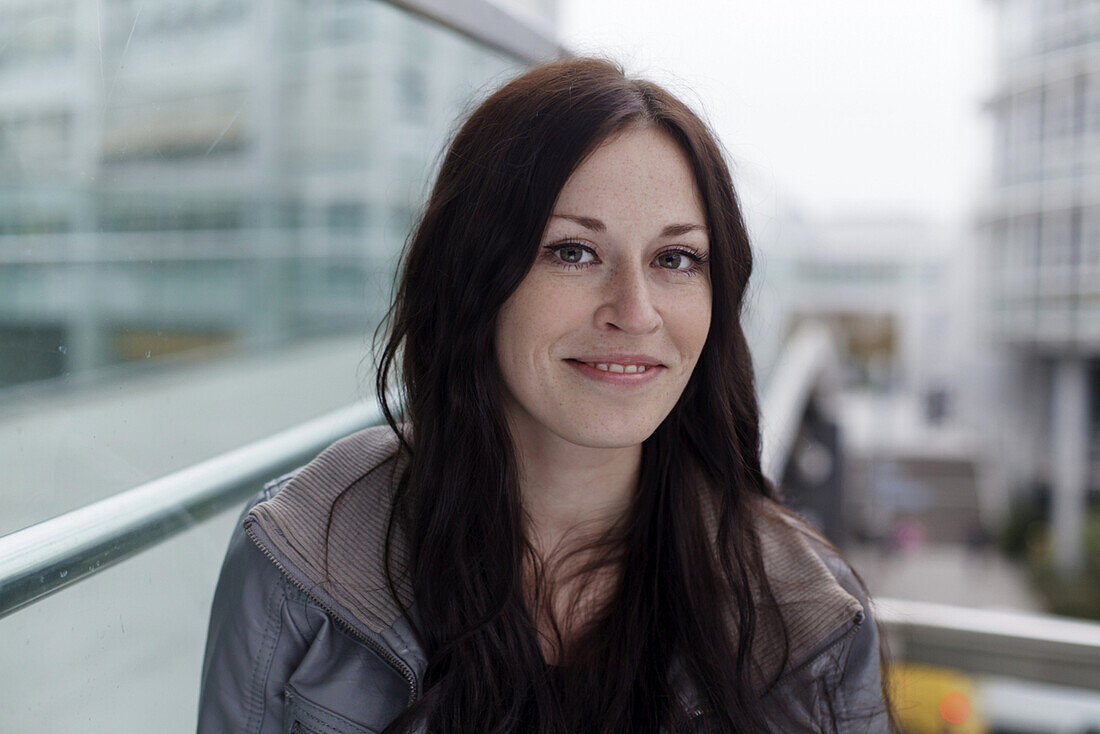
x: 459, y: 499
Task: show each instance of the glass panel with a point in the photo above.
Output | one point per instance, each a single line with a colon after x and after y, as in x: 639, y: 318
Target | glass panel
x: 198, y: 231
x: 198, y: 226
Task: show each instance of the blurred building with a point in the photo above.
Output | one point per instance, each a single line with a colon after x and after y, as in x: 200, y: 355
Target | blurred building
x: 180, y: 178
x: 1040, y: 225
x: 177, y: 175
x: 890, y: 289
x: 881, y: 281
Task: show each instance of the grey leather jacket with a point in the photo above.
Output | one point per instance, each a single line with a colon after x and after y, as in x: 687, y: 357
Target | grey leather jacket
x: 305, y: 639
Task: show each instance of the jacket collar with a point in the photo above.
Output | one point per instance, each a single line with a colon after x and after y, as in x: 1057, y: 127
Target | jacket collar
x: 328, y: 528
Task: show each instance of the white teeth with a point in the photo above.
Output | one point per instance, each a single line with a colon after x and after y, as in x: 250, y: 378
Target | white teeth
x: 625, y: 368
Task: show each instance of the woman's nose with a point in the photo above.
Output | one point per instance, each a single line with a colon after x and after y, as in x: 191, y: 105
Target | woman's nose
x: 627, y: 302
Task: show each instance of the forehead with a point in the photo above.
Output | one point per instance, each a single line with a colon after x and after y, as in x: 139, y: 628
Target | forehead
x: 637, y: 175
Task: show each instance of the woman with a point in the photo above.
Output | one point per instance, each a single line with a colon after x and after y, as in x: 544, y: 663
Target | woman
x: 570, y: 531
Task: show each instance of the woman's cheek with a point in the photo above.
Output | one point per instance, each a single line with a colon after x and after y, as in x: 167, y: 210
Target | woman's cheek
x: 688, y: 313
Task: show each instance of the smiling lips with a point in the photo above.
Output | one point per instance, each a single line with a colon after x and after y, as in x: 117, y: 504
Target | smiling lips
x: 640, y: 360
x: 624, y: 368
x: 620, y: 370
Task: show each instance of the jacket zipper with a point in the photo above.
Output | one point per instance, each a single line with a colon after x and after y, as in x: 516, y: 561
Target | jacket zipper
x: 386, y: 655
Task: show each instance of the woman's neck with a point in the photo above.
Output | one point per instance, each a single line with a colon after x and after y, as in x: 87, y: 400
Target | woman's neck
x: 568, y: 488
x: 571, y: 495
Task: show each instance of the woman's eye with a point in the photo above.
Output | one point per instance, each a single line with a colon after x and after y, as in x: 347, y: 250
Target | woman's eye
x: 675, y: 260
x: 672, y: 260
x: 573, y: 254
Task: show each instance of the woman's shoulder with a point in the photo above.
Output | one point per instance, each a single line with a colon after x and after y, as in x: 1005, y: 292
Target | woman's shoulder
x: 800, y: 563
x: 797, y: 554
x: 834, y: 640
x: 296, y: 576
x: 815, y: 591
x: 326, y: 523
x: 356, y: 464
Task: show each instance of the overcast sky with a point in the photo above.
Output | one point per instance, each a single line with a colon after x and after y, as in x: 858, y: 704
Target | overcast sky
x: 842, y: 106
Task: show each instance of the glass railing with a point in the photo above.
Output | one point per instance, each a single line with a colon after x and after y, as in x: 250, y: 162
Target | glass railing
x: 125, y: 646
x: 201, y: 209
x: 186, y: 187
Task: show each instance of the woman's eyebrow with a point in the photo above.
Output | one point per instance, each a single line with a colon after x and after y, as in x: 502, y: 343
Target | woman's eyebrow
x: 671, y: 230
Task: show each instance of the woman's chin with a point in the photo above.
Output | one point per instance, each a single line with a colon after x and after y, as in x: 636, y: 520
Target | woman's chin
x: 613, y: 435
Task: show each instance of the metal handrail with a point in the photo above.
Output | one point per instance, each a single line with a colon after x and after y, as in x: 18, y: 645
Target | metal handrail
x: 1035, y: 647
x: 45, y: 558
x: 527, y: 37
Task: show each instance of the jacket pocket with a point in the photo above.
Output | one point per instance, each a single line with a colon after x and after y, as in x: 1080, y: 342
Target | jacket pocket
x: 306, y: 717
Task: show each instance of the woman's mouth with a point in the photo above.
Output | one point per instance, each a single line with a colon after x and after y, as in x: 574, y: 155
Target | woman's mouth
x: 617, y: 373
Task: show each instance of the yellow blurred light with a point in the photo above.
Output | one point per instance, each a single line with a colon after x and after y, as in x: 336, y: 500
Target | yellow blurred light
x: 932, y: 700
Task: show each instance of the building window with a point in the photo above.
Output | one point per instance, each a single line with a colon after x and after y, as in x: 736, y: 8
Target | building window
x: 36, y: 31
x: 1092, y: 103
x: 1056, y: 242
x: 1059, y: 108
x: 1028, y: 116
x: 413, y: 92
x: 1090, y: 237
x: 347, y: 216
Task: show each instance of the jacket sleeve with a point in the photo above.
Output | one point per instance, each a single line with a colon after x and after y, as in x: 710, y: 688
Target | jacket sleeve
x: 857, y: 700
x: 253, y: 644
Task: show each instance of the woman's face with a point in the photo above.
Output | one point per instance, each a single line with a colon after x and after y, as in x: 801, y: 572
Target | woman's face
x: 599, y: 340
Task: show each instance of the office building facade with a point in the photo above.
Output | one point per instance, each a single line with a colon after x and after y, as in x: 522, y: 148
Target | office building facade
x: 1040, y: 228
